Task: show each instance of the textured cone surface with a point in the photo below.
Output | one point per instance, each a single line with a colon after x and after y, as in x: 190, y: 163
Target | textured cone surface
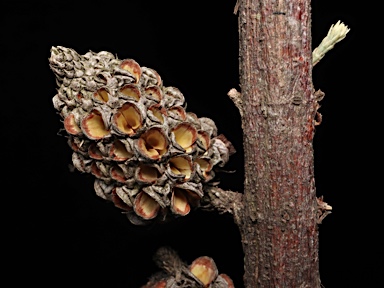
x: 134, y: 134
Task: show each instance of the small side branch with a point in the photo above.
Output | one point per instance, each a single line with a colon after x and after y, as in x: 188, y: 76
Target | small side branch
x: 319, y: 95
x: 236, y: 9
x: 323, y: 209
x: 236, y: 98
x: 223, y: 201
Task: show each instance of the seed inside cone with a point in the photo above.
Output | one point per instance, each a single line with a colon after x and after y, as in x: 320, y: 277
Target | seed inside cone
x: 154, y: 74
x: 101, y: 95
x: 70, y: 125
x: 153, y: 143
x: 161, y: 284
x: 93, y: 126
x: 148, y: 173
x: 96, y: 171
x: 117, y: 174
x: 157, y: 284
x: 178, y: 113
x: 185, y: 136
x: 204, y: 268
x: 119, y: 203
x: 204, y: 139
x: 128, y: 119
x: 179, y: 202
x: 228, y: 280
x: 119, y: 152
x: 145, y: 206
x: 133, y: 67
x: 158, y: 112
x: 131, y: 91
x: 205, y: 167
x: 154, y: 92
x: 94, y: 152
x: 181, y: 165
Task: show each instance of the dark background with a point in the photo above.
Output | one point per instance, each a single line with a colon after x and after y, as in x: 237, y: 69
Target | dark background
x: 60, y: 233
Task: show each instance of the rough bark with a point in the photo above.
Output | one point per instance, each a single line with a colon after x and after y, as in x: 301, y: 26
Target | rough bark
x: 279, y: 225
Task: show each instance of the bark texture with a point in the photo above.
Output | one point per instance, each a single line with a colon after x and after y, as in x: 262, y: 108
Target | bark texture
x: 279, y: 225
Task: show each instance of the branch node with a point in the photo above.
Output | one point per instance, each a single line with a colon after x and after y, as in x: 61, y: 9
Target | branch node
x: 323, y: 209
x: 236, y: 7
x: 236, y: 99
x: 223, y: 201
x: 319, y: 95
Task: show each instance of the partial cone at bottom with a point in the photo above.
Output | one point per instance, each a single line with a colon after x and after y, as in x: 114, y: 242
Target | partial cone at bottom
x: 201, y: 273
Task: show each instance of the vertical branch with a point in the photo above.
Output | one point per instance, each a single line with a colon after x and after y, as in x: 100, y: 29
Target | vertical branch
x: 279, y: 227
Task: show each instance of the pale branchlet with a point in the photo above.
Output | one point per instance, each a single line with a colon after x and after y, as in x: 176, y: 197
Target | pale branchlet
x: 336, y: 33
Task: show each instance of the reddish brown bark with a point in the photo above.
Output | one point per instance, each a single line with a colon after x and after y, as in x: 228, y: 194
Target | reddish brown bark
x: 279, y: 225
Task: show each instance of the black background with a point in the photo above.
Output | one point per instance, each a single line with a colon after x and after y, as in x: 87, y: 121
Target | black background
x: 60, y: 233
